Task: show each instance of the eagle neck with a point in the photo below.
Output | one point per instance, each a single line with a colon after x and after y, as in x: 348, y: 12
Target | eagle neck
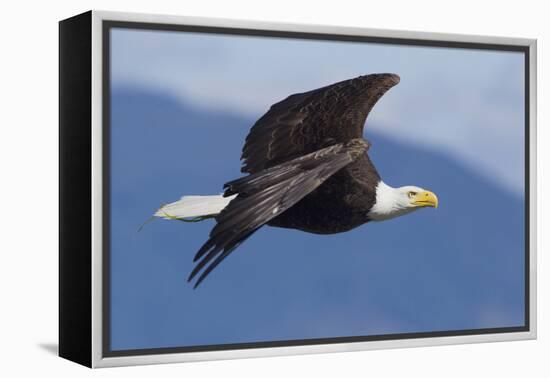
x: 387, y: 204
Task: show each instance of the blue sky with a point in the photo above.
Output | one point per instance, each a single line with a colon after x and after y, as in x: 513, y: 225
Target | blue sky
x: 182, y: 104
x: 464, y: 100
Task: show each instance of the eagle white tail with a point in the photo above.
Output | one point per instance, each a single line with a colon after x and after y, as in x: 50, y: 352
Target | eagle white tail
x: 194, y: 206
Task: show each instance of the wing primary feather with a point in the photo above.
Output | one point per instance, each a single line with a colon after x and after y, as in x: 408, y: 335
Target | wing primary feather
x: 218, y: 260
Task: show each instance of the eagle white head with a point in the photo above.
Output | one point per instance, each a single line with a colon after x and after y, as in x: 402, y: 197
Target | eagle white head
x: 393, y: 202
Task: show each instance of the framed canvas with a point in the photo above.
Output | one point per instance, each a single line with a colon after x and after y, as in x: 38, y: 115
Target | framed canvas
x: 236, y: 189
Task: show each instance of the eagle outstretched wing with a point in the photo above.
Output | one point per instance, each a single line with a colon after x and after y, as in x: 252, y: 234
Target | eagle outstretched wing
x: 306, y: 122
x: 291, y: 150
x: 266, y: 194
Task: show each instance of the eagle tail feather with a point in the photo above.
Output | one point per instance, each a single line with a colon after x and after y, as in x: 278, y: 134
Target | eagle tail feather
x: 194, y: 208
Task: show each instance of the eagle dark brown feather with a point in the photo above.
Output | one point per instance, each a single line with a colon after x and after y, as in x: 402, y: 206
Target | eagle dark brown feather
x: 306, y: 122
x: 267, y: 194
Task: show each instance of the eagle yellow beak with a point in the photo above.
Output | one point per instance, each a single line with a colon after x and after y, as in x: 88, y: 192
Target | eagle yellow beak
x: 425, y: 198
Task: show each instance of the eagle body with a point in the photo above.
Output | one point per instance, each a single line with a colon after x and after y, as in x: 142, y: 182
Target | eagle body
x: 339, y: 204
x: 306, y: 167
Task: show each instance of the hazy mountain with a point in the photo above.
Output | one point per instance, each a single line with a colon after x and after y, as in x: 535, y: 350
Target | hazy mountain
x: 457, y: 267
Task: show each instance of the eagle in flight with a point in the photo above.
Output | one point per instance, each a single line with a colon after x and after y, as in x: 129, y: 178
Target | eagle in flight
x: 307, y: 168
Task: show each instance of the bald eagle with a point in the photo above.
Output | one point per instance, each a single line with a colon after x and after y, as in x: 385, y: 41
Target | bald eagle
x: 307, y: 168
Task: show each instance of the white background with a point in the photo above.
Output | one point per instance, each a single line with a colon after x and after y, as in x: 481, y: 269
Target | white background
x: 28, y: 207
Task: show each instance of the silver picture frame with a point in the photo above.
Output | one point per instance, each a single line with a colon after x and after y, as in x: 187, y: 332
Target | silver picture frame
x: 92, y: 350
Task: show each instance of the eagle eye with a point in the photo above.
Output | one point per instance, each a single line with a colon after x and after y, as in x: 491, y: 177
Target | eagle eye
x: 412, y: 194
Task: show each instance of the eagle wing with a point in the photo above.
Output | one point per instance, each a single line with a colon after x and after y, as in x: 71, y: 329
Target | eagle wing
x: 264, y: 195
x: 307, y: 122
